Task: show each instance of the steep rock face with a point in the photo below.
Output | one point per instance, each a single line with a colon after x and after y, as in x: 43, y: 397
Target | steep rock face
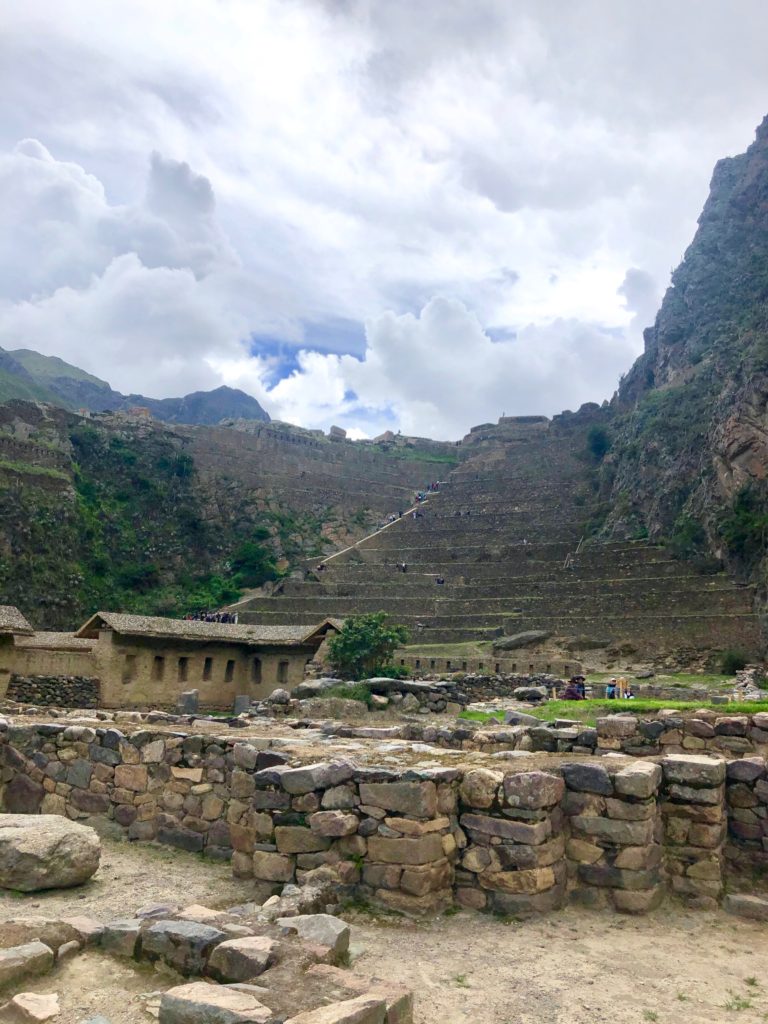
x: 690, y: 421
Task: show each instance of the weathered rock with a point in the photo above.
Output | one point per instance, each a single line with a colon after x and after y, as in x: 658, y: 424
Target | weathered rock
x: 416, y: 799
x: 479, y: 787
x: 119, y: 937
x: 279, y: 696
x: 242, y: 959
x: 533, y: 790
x: 641, y: 779
x: 30, y: 1008
x: 46, y: 851
x: 411, y: 850
x: 315, y: 776
x: 23, y: 795
x: 319, y: 929
x: 333, y: 823
x: 360, y: 1010
x: 18, y: 962
x: 183, y: 945
x: 529, y: 694
x: 587, y: 778
x: 693, y: 770
x: 201, y: 1003
x: 743, y: 905
x: 746, y: 769
x: 511, y: 643
x: 272, y: 867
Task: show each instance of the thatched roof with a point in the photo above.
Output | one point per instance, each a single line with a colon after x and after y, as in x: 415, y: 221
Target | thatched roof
x: 154, y: 626
x: 12, y: 622
x: 56, y: 642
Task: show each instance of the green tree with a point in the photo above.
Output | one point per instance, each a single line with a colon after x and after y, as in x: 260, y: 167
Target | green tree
x: 253, y: 563
x: 365, y: 643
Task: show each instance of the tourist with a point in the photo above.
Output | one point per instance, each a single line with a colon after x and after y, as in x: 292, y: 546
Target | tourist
x: 440, y: 581
x: 610, y: 690
x: 582, y: 685
x: 572, y: 691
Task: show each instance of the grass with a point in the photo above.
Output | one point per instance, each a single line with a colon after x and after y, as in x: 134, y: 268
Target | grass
x: 587, y: 711
x: 737, y: 1002
x: 28, y: 469
x: 650, y: 1015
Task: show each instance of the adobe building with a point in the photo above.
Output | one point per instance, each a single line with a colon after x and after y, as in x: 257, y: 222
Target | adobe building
x: 147, y: 661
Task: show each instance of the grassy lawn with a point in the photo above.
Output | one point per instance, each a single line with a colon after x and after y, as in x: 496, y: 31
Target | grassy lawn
x: 587, y: 711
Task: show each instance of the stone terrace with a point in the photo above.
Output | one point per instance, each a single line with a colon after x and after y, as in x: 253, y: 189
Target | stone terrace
x: 505, y: 532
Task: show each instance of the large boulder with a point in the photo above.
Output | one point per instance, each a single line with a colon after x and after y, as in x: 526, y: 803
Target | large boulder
x: 529, y: 694
x: 46, y: 851
x: 530, y: 636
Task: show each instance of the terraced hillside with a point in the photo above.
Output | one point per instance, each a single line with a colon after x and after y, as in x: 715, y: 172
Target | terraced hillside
x: 505, y: 533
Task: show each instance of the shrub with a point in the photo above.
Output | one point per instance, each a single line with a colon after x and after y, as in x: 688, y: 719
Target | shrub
x: 598, y: 442
x: 745, y: 527
x: 732, y: 662
x: 363, y: 643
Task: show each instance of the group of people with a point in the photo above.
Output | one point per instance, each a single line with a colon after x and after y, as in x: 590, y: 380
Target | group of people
x: 576, y: 689
x: 230, y: 617
x: 619, y: 689
x: 616, y: 689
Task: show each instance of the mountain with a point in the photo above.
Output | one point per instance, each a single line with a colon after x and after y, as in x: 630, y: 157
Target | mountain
x: 688, y: 456
x: 28, y: 375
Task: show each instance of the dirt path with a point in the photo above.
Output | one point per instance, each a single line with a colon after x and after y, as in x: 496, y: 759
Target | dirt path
x: 130, y: 876
x: 576, y: 967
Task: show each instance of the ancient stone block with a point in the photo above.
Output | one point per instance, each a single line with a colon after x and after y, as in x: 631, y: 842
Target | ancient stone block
x: 694, y: 770
x: 532, y: 881
x: 27, y: 960
x: 517, y: 831
x: 405, y: 903
x: 615, y: 878
x: 637, y: 901
x: 315, y: 776
x: 479, y: 787
x: 625, y: 811
x: 617, y: 726
x: 417, y: 799
x: 198, y: 1003
x: 296, y: 839
x: 23, y: 795
x: 365, y: 1009
x: 319, y: 929
x: 120, y: 937
x: 746, y: 769
x: 333, y: 823
x: 272, y: 867
x: 624, y: 833
x: 416, y: 850
x: 183, y: 945
x: 131, y: 776
x: 694, y: 795
x: 583, y: 852
x: 742, y: 905
x: 241, y: 959
x: 640, y: 780
x: 532, y: 790
x: 588, y: 778
x: 419, y: 880
x: 411, y: 827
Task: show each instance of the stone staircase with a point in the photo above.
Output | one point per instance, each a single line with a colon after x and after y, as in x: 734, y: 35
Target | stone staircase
x: 504, y: 532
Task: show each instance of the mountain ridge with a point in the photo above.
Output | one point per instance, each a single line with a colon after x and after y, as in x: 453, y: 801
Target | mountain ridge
x: 29, y: 375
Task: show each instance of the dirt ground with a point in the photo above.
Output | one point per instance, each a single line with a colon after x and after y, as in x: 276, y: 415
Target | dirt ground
x: 575, y: 967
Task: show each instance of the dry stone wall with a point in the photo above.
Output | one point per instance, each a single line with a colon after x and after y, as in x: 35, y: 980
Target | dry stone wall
x: 509, y: 840
x: 63, y: 691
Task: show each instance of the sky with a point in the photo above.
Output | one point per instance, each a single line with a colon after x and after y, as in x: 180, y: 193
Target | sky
x: 369, y: 213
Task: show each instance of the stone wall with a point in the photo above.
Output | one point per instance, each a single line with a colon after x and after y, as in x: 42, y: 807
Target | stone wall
x: 63, y: 691
x: 701, y: 732
x: 512, y: 841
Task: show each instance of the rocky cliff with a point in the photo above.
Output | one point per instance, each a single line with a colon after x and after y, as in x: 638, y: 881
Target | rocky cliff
x: 688, y: 429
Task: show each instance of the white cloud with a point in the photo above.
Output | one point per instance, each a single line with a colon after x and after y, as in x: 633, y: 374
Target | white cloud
x: 318, y: 162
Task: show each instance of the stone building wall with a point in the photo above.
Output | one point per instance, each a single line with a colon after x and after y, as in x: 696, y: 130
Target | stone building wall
x: 511, y: 841
x: 63, y: 691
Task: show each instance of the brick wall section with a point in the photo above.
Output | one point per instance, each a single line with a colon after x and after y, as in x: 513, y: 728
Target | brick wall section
x: 694, y: 814
x: 515, y: 841
x: 614, y: 851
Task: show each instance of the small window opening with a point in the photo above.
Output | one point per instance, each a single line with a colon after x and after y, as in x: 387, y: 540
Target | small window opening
x: 256, y: 670
x: 282, y: 672
x: 229, y: 671
x: 129, y: 668
x: 207, y: 668
x: 183, y: 669
x: 158, y: 666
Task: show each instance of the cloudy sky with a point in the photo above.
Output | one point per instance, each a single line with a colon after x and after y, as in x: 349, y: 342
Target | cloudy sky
x: 375, y: 213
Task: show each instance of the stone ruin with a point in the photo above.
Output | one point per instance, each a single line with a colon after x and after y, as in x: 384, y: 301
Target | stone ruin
x: 518, y: 819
